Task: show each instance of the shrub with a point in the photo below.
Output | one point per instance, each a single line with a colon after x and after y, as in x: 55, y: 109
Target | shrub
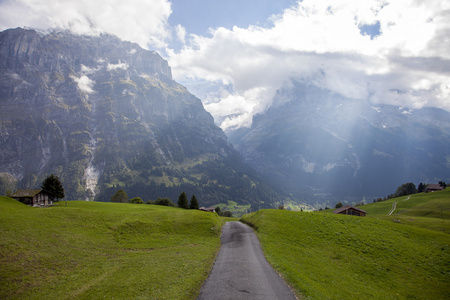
x: 164, y: 202
x: 137, y: 200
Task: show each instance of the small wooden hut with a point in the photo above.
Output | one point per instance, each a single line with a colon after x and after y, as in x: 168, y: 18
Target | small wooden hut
x: 434, y: 188
x: 33, y: 197
x: 350, y: 210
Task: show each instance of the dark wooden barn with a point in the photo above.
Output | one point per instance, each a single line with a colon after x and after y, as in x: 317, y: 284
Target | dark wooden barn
x: 33, y: 197
x: 434, y: 188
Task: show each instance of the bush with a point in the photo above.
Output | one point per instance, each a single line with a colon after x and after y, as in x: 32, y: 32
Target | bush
x: 164, y: 202
x: 227, y: 213
x: 137, y: 200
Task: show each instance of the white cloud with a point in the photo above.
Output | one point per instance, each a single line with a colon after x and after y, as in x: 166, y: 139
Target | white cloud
x: 140, y: 21
x: 181, y: 33
x: 317, y: 42
x: 320, y: 42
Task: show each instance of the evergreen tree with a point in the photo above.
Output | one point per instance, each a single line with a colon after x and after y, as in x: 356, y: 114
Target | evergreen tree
x: 53, y: 186
x: 120, y: 196
x: 421, y: 188
x: 194, y: 203
x: 183, y: 201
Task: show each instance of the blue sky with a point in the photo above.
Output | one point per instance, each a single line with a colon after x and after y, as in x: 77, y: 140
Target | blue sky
x: 234, y: 55
x: 197, y: 16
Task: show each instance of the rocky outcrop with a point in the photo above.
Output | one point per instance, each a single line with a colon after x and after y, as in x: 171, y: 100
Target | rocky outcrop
x: 101, y: 114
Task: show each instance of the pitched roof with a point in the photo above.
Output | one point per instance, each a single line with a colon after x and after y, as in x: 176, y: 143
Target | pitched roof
x: 433, y: 186
x: 346, y: 207
x: 211, y: 209
x: 25, y: 193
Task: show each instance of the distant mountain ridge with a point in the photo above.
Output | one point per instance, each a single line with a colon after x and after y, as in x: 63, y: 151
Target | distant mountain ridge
x: 104, y: 114
x: 324, y: 147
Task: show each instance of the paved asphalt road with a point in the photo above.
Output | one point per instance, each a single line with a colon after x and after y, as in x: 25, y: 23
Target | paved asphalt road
x: 241, y: 271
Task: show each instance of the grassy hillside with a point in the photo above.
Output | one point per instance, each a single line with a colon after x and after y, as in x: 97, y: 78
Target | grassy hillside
x: 328, y: 256
x: 419, y: 205
x: 426, y: 210
x: 92, y: 250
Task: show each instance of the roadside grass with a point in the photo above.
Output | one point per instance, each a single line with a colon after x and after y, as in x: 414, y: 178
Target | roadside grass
x: 328, y: 256
x: 92, y: 250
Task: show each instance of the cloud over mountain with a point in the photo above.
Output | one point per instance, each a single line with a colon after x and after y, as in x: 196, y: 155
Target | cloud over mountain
x: 393, y: 52
x: 140, y: 21
x: 384, y: 51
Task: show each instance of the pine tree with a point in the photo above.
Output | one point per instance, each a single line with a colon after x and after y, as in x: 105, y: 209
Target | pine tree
x: 421, y: 188
x: 194, y: 203
x: 183, y: 201
x: 53, y: 186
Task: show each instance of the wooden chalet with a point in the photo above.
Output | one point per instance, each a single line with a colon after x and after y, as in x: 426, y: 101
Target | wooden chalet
x: 350, y: 210
x: 33, y: 197
x: 434, y: 188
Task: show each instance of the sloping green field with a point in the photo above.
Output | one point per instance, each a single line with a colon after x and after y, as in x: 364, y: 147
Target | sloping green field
x: 426, y: 210
x: 328, y: 256
x: 92, y: 250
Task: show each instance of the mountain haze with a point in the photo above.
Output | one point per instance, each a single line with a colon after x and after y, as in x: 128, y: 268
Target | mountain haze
x: 323, y: 147
x: 105, y: 114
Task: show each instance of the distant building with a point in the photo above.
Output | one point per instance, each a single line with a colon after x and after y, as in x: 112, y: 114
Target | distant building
x: 350, y: 210
x: 33, y: 197
x: 434, y: 188
x: 209, y: 209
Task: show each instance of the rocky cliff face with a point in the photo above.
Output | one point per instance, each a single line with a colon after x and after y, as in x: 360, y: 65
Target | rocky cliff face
x: 323, y: 147
x: 105, y: 114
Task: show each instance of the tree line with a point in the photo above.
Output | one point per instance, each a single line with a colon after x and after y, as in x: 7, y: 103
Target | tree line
x: 121, y: 197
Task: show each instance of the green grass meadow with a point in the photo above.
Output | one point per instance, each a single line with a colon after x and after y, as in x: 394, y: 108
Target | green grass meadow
x: 328, y: 256
x: 92, y: 250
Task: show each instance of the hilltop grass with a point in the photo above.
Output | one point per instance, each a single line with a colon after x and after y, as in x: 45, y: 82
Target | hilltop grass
x: 92, y: 250
x: 327, y: 256
x: 419, y: 205
x: 425, y: 210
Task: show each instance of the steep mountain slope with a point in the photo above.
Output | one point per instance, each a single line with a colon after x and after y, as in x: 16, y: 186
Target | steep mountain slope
x: 104, y: 114
x: 321, y: 146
